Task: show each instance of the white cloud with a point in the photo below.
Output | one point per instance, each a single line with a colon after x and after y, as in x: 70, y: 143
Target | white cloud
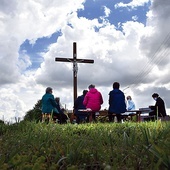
x: 24, y: 61
x: 132, y: 4
x: 11, y: 105
x: 135, y: 17
x: 107, y: 11
x: 18, y: 22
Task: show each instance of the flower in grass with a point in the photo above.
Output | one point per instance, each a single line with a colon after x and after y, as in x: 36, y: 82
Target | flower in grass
x: 107, y: 167
x: 91, y: 155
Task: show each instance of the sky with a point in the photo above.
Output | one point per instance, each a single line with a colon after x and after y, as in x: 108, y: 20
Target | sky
x: 128, y: 40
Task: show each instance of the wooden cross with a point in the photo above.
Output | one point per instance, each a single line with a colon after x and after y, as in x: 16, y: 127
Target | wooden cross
x: 74, y: 60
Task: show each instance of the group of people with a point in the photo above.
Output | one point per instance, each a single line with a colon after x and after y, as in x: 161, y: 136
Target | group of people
x: 92, y: 100
x: 86, y: 105
x: 89, y: 103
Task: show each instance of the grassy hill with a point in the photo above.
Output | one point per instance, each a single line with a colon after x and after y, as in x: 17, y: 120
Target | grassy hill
x: 91, y: 146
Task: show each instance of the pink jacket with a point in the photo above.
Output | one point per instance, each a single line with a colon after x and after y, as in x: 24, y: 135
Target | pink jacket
x: 93, y: 100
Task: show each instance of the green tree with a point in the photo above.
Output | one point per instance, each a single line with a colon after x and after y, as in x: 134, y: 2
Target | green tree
x: 34, y: 114
x: 2, y: 122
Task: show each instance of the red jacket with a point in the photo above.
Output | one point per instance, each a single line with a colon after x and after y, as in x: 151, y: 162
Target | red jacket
x: 93, y: 100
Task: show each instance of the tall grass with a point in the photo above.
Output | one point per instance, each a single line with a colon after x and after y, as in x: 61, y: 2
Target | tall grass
x: 30, y: 145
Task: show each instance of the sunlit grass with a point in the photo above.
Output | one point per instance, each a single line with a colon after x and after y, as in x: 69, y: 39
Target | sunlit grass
x: 30, y: 145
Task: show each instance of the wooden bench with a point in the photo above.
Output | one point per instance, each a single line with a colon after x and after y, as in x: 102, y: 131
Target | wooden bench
x: 131, y: 114
x: 103, y: 114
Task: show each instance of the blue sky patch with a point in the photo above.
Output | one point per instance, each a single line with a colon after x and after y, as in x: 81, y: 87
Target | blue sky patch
x: 95, y: 9
x: 34, y: 50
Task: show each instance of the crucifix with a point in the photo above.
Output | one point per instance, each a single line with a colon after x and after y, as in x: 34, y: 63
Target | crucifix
x: 74, y: 60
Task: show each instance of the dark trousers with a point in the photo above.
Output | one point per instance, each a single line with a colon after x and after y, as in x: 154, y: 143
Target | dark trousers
x: 111, y: 117
x: 81, y: 119
x: 91, y: 117
x: 62, y: 118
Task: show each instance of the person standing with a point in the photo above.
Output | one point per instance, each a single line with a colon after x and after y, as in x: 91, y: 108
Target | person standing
x: 93, y: 101
x: 78, y: 104
x: 49, y: 105
x: 159, y: 106
x: 117, y: 104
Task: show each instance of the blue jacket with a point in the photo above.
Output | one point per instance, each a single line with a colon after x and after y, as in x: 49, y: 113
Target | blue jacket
x: 130, y: 105
x: 78, y: 104
x: 117, y: 103
x: 48, y: 103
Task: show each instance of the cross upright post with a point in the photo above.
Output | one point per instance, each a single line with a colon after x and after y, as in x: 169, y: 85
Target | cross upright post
x: 74, y: 60
x: 75, y: 70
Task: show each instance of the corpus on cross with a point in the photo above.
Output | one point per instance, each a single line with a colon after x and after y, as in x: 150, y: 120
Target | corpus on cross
x: 74, y: 60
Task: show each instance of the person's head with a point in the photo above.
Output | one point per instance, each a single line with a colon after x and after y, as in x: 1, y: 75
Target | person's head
x: 57, y: 99
x: 155, y: 96
x: 91, y: 86
x: 129, y: 98
x: 48, y: 90
x: 85, y: 92
x: 116, y: 85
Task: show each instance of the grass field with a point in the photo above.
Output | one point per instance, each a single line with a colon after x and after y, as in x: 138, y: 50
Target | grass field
x: 90, y: 146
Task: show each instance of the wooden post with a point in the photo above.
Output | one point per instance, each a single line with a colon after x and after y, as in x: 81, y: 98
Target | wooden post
x: 75, y: 70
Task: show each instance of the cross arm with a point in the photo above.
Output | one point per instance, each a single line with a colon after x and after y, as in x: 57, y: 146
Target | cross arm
x: 64, y: 59
x: 74, y: 60
x: 85, y: 61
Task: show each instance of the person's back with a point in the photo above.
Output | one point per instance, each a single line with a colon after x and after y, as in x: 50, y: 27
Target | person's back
x: 78, y: 104
x: 160, y: 105
x: 93, y: 99
x: 117, y: 103
x: 48, y: 104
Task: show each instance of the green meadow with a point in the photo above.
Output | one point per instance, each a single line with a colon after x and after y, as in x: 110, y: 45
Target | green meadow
x: 90, y: 146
